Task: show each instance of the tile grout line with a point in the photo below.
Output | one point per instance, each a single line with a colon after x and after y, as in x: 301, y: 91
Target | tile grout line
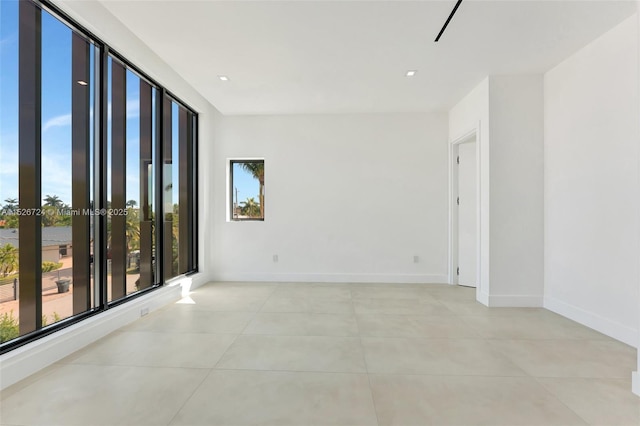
x: 364, y: 359
x: 217, y: 362
x: 243, y: 329
x: 556, y: 397
x: 189, y: 397
x: 495, y: 343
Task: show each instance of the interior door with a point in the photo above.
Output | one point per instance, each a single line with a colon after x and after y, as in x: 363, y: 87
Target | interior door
x: 467, y: 214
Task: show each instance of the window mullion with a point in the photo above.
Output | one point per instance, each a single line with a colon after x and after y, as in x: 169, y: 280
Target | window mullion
x: 30, y: 128
x: 80, y: 118
x: 100, y: 179
x: 118, y: 248
x: 146, y: 161
x: 159, y: 183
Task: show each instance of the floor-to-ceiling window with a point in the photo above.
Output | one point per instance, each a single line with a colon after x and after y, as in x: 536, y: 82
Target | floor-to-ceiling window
x: 67, y: 130
x: 9, y: 148
x: 130, y: 184
x: 178, y: 188
x: 92, y: 151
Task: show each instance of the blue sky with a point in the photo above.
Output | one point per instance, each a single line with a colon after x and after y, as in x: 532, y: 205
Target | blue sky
x: 8, y: 99
x: 56, y: 105
x: 248, y: 186
x: 56, y: 116
x: 56, y: 111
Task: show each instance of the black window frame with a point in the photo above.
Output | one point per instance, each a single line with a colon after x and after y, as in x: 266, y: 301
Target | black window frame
x: 232, y: 203
x: 32, y: 231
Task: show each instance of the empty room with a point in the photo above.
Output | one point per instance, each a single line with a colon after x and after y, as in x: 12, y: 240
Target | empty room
x: 319, y: 212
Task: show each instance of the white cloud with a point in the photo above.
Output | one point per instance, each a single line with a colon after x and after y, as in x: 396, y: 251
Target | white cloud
x: 133, y: 108
x: 59, y: 121
x: 133, y: 111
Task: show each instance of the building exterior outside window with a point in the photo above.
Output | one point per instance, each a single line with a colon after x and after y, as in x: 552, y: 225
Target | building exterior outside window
x: 98, y: 182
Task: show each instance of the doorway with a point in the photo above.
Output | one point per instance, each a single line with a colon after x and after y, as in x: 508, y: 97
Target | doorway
x: 464, y: 224
x: 466, y: 203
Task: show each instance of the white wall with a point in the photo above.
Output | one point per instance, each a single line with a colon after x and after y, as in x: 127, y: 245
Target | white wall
x: 591, y: 185
x: 97, y: 19
x: 469, y: 114
x: 351, y: 197
x: 507, y: 113
x: 517, y: 225
x: 635, y: 386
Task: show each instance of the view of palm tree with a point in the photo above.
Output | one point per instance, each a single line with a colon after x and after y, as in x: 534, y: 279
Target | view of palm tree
x: 248, y: 184
x: 54, y: 216
x: 8, y: 259
x: 11, y: 203
x: 64, y: 256
x: 8, y: 219
x: 250, y: 208
x: 132, y: 229
x: 257, y: 171
x: 53, y: 201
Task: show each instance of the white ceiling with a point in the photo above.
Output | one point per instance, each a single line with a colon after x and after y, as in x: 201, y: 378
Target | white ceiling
x: 351, y: 56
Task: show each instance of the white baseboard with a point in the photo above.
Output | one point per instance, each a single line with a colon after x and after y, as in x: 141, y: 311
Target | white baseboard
x: 603, y: 325
x: 482, y: 297
x: 199, y: 280
x: 190, y: 282
x: 515, y: 301
x: 635, y: 382
x: 331, y: 278
x: 33, y: 357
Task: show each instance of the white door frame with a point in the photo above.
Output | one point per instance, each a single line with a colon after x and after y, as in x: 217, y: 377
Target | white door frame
x: 471, y: 136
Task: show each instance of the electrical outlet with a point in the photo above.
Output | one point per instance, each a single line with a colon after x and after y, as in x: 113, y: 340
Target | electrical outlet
x: 144, y: 311
x: 275, y: 258
x: 416, y: 259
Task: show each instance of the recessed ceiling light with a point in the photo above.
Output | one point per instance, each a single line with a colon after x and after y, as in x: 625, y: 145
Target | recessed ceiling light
x: 411, y: 73
x: 82, y: 82
x: 223, y: 77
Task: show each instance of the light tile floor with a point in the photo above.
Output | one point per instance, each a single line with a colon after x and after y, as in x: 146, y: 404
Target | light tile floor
x: 336, y: 354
